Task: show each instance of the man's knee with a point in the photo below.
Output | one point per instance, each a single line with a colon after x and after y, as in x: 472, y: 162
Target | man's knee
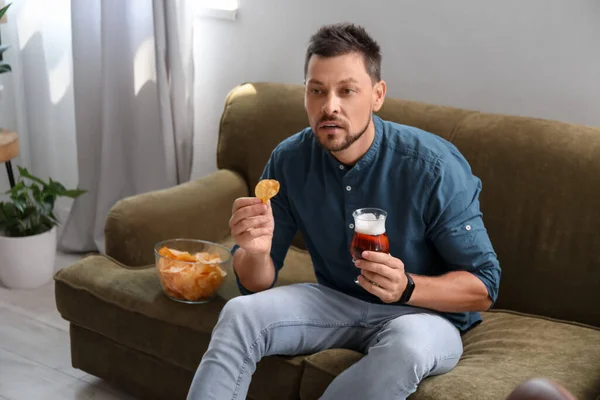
x: 237, y: 306
x: 240, y: 322
x: 418, y: 350
x: 257, y: 310
x: 414, y: 357
x: 241, y: 309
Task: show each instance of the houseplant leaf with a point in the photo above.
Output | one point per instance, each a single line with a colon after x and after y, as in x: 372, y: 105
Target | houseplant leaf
x: 4, y: 67
x: 74, y: 193
x: 25, y: 174
x: 8, y: 210
x: 30, y: 210
x: 3, y: 10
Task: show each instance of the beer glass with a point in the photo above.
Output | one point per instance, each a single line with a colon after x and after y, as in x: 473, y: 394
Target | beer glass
x: 369, y: 233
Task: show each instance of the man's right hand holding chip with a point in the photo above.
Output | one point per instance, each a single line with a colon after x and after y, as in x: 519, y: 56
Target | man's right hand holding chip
x: 252, y: 226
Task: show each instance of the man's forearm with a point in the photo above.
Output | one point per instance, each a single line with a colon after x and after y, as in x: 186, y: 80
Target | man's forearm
x: 256, y: 272
x: 456, y: 291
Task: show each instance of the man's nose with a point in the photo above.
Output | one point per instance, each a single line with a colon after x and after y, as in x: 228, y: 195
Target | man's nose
x: 332, y: 105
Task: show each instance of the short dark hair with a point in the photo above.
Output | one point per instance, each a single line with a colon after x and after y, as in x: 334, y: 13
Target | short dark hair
x: 344, y: 38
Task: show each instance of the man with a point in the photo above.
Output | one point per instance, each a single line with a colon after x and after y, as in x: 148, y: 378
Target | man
x: 410, y: 306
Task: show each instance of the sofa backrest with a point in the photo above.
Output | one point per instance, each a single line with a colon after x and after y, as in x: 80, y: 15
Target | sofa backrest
x: 540, y: 198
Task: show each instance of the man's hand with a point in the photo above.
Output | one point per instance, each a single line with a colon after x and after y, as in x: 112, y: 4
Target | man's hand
x: 382, y: 275
x: 252, y: 225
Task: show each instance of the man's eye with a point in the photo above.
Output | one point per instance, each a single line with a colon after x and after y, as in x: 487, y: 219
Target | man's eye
x: 315, y: 91
x: 348, y: 91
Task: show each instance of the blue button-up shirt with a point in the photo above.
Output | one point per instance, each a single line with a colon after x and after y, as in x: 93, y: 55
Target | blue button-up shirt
x: 434, y: 223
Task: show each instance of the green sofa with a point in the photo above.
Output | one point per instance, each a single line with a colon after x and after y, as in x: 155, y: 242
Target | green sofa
x: 540, y: 200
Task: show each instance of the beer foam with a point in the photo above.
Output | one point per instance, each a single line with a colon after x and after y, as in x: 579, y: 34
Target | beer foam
x: 369, y: 224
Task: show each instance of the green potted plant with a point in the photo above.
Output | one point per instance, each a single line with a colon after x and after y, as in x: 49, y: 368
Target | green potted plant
x: 28, y: 231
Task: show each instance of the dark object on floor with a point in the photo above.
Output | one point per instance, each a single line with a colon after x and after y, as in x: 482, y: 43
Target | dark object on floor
x: 540, y: 389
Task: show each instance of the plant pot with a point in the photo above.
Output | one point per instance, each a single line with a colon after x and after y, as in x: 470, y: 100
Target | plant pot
x: 27, y: 262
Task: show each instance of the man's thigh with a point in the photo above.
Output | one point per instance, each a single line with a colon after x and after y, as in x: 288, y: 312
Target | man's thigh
x: 295, y: 319
x: 305, y: 302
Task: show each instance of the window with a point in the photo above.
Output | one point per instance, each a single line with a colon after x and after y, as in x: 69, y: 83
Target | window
x: 223, y: 9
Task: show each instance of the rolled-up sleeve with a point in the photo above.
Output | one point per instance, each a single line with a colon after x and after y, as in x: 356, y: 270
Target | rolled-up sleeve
x: 455, y: 222
x: 285, y: 224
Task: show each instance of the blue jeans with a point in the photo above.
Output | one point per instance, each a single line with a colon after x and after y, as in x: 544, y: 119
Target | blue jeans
x: 402, y: 344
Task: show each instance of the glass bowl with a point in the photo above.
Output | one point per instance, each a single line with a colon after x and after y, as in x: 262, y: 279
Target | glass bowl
x: 191, y: 271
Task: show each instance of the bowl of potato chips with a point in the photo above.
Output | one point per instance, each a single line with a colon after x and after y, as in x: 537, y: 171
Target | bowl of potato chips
x: 191, y: 271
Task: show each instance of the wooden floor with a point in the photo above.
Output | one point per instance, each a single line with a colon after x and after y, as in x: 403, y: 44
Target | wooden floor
x: 35, y: 361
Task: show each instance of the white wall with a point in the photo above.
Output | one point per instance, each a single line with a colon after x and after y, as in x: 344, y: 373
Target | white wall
x: 536, y: 58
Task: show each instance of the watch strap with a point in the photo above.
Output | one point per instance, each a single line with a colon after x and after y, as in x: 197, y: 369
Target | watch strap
x: 408, y: 291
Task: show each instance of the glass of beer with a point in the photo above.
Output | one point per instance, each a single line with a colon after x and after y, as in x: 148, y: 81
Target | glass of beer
x: 369, y: 233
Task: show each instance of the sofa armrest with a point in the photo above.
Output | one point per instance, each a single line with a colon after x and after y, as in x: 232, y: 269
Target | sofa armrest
x: 199, y: 209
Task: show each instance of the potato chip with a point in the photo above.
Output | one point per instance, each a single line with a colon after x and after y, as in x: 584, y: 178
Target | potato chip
x: 208, y: 258
x: 165, y: 252
x: 183, y: 256
x: 266, y: 189
x: 188, y: 276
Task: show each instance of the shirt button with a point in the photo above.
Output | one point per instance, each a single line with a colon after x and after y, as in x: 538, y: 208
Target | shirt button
x: 351, y: 226
x: 348, y: 188
x: 468, y: 227
x: 341, y: 167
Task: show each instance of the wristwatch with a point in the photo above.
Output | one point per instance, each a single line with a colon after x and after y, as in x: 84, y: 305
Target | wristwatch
x: 410, y: 287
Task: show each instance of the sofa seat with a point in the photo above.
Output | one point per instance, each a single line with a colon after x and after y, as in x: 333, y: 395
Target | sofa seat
x: 126, y: 307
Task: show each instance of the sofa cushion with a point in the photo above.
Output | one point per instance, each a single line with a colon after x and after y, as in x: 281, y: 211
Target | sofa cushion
x: 128, y: 306
x: 505, y: 350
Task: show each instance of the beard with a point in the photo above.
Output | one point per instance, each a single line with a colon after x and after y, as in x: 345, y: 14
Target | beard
x: 349, y: 139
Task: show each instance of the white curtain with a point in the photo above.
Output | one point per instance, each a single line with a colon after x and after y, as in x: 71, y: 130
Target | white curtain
x: 133, y: 81
x: 173, y: 32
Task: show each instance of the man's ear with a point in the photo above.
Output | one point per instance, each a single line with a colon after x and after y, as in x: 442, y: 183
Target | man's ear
x: 379, y: 95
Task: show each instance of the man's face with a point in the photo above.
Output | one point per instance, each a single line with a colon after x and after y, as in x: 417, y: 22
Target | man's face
x: 340, y: 98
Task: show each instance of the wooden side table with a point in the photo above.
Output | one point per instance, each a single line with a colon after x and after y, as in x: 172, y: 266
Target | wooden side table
x: 9, y: 149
